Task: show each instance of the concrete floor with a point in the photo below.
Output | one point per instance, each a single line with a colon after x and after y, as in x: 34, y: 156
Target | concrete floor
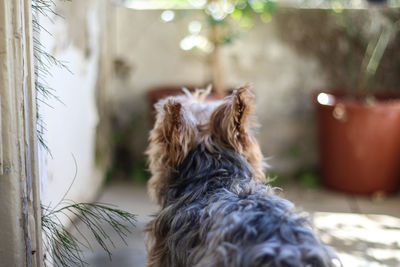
x: 364, y: 231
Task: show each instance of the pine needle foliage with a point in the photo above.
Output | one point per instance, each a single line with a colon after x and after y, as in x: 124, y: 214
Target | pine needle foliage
x: 65, y: 249
x: 44, y: 61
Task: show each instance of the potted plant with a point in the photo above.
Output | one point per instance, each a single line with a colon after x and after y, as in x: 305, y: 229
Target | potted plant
x: 222, y: 17
x: 359, y: 131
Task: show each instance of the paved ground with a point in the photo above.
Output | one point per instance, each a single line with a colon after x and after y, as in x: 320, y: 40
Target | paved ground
x: 364, y: 231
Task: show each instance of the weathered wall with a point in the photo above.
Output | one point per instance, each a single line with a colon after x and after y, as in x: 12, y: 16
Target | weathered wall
x: 71, y: 121
x: 298, y: 52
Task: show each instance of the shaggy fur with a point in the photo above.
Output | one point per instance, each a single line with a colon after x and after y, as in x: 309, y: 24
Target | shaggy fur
x: 207, y: 170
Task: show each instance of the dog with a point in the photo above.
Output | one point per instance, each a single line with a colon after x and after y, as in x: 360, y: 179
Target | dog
x: 207, y: 173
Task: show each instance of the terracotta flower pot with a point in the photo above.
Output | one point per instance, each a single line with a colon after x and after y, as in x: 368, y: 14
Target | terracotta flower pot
x: 359, y: 144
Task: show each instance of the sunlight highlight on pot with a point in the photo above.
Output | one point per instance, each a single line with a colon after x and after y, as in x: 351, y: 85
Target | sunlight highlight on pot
x: 325, y: 99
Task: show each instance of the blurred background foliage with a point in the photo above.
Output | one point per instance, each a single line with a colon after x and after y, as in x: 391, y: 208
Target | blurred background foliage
x: 342, y: 36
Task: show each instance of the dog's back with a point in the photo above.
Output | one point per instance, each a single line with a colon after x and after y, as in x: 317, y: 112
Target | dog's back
x: 215, y: 215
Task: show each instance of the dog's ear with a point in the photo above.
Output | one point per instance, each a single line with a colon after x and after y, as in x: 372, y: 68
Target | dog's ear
x: 176, y: 133
x: 230, y: 125
x: 171, y: 139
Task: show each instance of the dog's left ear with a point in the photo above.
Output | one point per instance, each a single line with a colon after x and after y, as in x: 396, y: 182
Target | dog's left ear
x: 230, y: 125
x: 176, y: 134
x: 172, y: 137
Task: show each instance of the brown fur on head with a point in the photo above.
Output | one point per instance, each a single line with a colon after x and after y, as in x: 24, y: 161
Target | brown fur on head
x: 186, y: 120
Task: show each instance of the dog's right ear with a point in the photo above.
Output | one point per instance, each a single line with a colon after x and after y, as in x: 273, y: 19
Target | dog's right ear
x: 171, y: 139
x: 230, y: 124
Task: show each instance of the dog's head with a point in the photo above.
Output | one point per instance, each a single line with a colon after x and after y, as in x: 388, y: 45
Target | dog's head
x: 186, y: 120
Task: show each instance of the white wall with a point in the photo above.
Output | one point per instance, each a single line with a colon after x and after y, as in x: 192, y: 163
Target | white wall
x: 71, y: 122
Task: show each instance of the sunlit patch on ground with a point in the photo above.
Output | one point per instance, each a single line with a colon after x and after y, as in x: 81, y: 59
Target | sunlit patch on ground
x: 361, y: 239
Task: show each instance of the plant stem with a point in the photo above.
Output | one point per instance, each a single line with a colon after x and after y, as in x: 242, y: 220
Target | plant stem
x: 217, y: 66
x: 374, y: 53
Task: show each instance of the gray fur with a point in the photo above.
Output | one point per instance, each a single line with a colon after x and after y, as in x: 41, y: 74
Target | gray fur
x: 214, y: 214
